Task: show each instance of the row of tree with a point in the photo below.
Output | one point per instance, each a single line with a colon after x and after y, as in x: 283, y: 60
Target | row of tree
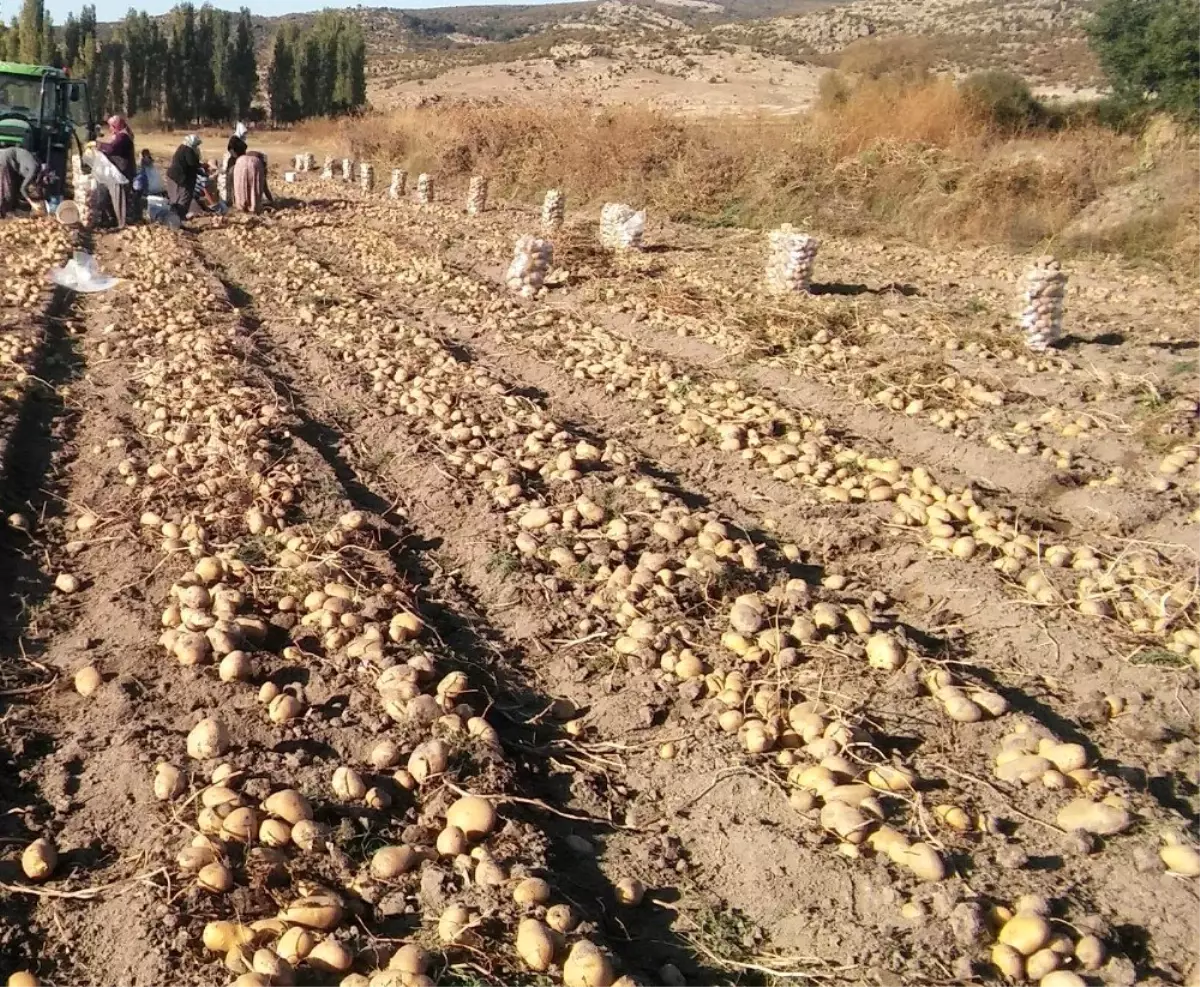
x: 318, y: 72
x: 196, y: 64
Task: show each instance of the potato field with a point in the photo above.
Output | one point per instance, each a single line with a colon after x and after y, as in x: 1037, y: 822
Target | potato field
x: 370, y: 622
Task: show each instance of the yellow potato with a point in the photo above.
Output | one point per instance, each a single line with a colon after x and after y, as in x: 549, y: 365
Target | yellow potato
x: 587, y: 966
x: 39, y: 859
x: 474, y: 815
x: 535, y: 945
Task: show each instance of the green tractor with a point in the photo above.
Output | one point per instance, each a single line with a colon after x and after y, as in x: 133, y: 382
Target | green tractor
x: 45, y: 111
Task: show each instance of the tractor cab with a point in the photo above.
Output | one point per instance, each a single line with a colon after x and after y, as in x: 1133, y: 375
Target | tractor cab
x: 45, y: 111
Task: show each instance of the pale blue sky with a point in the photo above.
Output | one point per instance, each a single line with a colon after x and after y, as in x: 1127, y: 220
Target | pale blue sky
x: 108, y: 10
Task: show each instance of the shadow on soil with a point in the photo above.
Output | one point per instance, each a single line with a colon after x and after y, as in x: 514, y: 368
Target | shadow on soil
x: 39, y: 441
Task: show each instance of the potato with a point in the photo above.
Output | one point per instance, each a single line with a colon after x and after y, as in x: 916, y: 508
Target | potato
x: 285, y: 707
x: 330, y: 956
x: 536, y: 945
x: 251, y: 979
x: 236, y: 666
x: 1065, y: 757
x: 891, y: 778
x: 272, y: 966
x: 23, y: 978
x: 348, y: 784
x: 320, y: 912
x: 384, y: 755
x: 169, y: 781
x: 65, y: 583
x: 561, y: 918
x: 1042, y: 962
x: 630, y: 891
x: 884, y: 652
x: 309, y: 835
x: 428, y: 760
x: 845, y: 821
x: 295, y: 945
x: 1099, y: 818
x: 88, y: 680
x: 1037, y: 904
x: 958, y: 707
x: 221, y: 936
x: 1181, y: 859
x: 531, y: 891
x: 1026, y: 932
x: 39, y: 859
x: 191, y: 648
x: 453, y: 922
x: 923, y: 860
x: 215, y: 877
x: 390, y: 862
x: 289, y: 805
x: 1024, y: 769
x: 1009, y: 962
x: 474, y: 815
x: 1062, y: 978
x: 241, y: 824
x: 274, y: 832
x: 208, y: 739
x: 1090, y: 952
x: 216, y: 796
x: 953, y: 817
x: 410, y: 959
x: 587, y: 966
x: 192, y: 858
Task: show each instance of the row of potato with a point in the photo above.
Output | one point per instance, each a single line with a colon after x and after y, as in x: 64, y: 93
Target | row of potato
x: 365, y: 337
x: 264, y: 590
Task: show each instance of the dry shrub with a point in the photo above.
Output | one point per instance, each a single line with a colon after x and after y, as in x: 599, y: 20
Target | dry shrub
x: 902, y: 57
x: 891, y: 160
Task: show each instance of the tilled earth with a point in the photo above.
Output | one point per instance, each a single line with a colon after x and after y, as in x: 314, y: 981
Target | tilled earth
x: 653, y: 630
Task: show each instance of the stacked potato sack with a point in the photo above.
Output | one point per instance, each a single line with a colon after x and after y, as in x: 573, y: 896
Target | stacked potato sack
x: 530, y: 263
x: 309, y: 161
x: 477, y: 193
x: 82, y: 186
x: 424, y: 189
x: 327, y: 168
x: 1045, y: 287
x: 366, y: 177
x: 347, y: 170
x: 790, y: 260
x: 620, y: 227
x: 399, y: 184
x: 553, y: 210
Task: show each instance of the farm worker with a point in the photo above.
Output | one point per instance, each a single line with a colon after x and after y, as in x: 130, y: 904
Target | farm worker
x: 182, y: 175
x: 234, y: 149
x: 146, y: 182
x: 250, y: 182
x: 20, y: 175
x: 119, y: 150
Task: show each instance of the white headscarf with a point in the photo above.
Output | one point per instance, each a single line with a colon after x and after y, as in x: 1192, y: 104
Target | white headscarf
x: 191, y: 140
x: 240, y: 130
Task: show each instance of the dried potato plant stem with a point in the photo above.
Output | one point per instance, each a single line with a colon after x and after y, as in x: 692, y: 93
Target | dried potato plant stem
x: 539, y: 804
x: 85, y: 893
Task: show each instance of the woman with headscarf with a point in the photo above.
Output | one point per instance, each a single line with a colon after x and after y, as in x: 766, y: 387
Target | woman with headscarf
x: 249, y: 182
x: 120, y: 151
x: 182, y: 174
x: 20, y: 175
x: 234, y: 150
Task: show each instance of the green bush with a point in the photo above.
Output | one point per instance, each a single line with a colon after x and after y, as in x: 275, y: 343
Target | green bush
x: 1150, y: 52
x: 1003, y: 98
